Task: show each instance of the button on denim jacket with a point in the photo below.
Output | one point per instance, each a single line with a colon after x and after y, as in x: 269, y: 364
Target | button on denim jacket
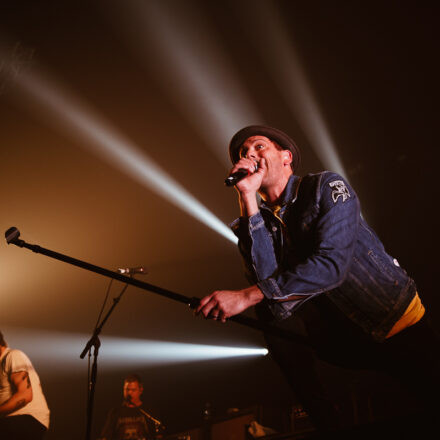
x: 317, y: 243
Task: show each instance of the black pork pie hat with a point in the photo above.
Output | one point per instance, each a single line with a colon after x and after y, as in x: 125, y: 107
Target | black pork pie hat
x: 273, y: 134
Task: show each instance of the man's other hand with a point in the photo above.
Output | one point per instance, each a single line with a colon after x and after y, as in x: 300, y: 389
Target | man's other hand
x: 223, y: 304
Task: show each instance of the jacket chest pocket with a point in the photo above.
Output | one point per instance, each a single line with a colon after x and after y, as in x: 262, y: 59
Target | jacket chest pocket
x: 303, y: 221
x: 300, y: 235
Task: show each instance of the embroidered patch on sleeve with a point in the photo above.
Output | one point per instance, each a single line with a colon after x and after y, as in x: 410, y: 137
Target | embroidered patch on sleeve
x: 339, y: 190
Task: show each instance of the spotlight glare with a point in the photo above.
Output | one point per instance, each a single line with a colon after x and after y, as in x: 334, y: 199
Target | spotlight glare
x: 205, y: 85
x: 68, y: 113
x: 63, y: 349
x: 158, y: 352
x: 288, y: 73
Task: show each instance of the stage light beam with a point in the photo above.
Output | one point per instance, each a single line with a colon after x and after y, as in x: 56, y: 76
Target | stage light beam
x: 59, y: 349
x: 283, y: 63
x: 70, y: 115
x: 196, y: 73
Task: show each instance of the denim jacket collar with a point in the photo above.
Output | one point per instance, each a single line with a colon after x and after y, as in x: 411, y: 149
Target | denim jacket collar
x: 289, y: 194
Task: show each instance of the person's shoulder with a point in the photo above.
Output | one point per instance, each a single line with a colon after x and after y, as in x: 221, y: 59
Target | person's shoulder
x: 15, y: 361
x: 327, y: 179
x: 18, y: 361
x: 323, y: 176
x: 328, y: 186
x: 315, y: 181
x: 17, y: 354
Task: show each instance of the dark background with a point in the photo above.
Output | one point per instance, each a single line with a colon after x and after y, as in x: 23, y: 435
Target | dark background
x: 373, y: 71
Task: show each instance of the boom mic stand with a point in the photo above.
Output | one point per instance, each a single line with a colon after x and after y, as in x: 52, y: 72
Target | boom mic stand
x: 12, y: 236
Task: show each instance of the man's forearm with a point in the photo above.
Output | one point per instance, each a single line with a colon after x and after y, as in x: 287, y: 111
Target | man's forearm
x: 17, y: 401
x: 248, y: 204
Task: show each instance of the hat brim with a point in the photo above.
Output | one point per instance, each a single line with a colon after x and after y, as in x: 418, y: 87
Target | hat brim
x: 273, y: 134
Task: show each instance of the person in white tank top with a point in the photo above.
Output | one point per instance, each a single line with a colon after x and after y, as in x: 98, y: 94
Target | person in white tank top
x: 24, y: 412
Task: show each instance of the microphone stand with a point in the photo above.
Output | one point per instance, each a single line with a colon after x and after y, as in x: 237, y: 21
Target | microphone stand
x: 96, y: 344
x: 12, y: 237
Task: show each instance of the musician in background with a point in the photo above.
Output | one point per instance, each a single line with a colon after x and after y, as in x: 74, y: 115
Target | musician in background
x: 24, y: 414
x: 131, y: 421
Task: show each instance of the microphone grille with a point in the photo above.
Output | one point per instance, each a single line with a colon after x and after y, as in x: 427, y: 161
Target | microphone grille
x: 12, y: 234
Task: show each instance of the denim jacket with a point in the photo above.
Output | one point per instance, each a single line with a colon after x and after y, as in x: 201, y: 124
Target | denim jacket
x: 318, y: 242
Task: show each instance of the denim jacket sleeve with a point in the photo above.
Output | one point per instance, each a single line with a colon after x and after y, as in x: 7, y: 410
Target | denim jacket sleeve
x: 256, y: 247
x: 332, y: 241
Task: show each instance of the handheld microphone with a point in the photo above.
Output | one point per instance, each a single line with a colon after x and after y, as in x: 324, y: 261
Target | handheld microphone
x: 132, y: 270
x: 234, y: 178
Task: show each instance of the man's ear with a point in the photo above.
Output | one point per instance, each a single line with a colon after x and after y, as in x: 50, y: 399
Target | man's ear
x: 287, y: 157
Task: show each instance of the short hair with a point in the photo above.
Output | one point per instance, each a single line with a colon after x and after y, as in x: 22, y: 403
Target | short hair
x: 3, y: 343
x: 133, y: 377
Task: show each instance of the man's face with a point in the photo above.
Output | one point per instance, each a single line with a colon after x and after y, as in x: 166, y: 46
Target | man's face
x: 277, y: 159
x: 132, y: 392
